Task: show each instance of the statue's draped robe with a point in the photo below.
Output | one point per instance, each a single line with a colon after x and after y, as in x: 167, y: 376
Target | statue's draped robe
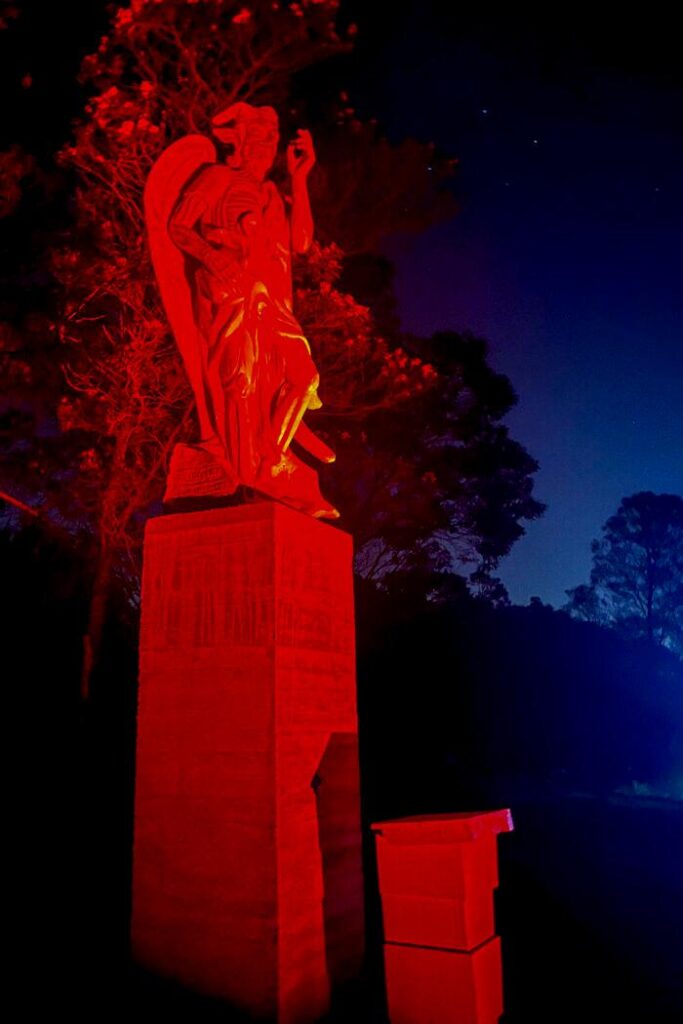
x: 254, y: 347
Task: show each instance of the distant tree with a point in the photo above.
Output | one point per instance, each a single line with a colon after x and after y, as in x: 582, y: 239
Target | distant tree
x: 444, y: 489
x: 636, y: 583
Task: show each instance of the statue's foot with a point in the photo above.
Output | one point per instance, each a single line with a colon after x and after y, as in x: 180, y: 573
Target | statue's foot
x: 321, y: 509
x: 328, y: 512
x: 295, y: 484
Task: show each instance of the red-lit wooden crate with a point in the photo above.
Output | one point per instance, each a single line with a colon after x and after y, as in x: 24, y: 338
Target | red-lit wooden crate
x: 437, y: 874
x: 439, y: 986
x: 450, y: 924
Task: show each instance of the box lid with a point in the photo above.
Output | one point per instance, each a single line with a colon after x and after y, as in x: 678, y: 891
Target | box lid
x: 458, y: 827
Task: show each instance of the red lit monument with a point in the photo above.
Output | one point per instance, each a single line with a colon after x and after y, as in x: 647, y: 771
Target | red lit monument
x: 247, y: 877
x: 221, y: 244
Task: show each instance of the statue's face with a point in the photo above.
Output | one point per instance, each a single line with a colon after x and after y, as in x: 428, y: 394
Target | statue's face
x: 260, y: 148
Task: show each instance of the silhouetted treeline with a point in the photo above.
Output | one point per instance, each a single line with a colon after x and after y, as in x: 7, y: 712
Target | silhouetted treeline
x: 461, y: 706
x: 458, y: 703
x: 466, y: 704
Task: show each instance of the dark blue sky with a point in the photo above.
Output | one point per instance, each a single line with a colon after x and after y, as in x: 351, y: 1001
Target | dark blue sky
x: 566, y: 254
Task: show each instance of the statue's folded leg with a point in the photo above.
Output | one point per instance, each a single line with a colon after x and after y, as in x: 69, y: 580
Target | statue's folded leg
x: 299, y: 388
x: 289, y: 412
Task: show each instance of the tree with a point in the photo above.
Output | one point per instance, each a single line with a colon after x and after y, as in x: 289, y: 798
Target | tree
x: 161, y: 72
x: 426, y: 478
x: 443, y: 490
x: 636, y: 582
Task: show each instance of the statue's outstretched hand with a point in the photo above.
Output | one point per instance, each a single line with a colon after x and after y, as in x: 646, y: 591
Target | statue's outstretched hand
x: 300, y: 154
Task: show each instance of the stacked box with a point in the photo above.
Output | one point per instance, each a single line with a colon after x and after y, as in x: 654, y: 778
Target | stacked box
x: 437, y: 876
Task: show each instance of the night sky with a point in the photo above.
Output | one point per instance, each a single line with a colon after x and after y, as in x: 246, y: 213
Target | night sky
x: 566, y: 252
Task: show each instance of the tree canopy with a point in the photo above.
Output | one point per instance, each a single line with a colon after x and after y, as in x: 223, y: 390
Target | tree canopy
x: 636, y: 582
x: 427, y: 477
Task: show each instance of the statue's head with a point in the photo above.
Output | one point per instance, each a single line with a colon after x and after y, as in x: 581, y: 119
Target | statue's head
x: 253, y: 134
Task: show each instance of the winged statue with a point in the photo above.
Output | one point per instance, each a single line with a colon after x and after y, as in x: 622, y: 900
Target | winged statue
x: 221, y: 238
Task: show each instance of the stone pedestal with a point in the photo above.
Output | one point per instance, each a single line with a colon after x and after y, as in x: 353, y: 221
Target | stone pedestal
x: 247, y: 877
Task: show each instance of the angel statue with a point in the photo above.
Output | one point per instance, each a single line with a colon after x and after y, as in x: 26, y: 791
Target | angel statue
x: 221, y: 240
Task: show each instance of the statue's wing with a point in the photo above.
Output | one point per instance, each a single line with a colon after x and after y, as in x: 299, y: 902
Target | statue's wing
x: 176, y: 166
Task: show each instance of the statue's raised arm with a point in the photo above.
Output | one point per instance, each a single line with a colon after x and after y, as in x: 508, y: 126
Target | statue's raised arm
x: 221, y: 243
x: 300, y: 160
